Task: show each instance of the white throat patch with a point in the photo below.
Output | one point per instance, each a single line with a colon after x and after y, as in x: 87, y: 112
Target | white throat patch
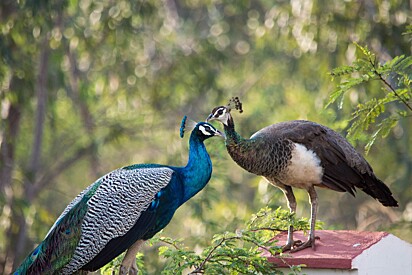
x: 225, y: 115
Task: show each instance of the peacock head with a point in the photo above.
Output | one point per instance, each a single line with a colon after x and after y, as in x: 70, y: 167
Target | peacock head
x: 203, y: 130
x: 222, y: 113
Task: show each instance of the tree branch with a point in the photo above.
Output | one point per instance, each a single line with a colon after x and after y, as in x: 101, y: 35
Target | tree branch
x: 388, y: 85
x: 47, y: 178
x: 268, y: 229
x: 87, y: 118
x: 208, y: 257
x: 169, y: 243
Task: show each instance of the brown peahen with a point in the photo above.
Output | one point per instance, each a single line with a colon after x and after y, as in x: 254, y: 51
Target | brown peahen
x: 301, y: 154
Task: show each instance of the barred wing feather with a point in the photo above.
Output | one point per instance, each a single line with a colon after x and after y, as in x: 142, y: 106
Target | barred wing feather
x: 114, y: 208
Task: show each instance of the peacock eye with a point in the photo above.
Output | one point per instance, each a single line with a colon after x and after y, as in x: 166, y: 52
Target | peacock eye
x: 205, y: 130
x: 220, y: 112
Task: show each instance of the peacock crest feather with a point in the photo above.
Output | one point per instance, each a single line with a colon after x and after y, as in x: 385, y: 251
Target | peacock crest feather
x: 186, y: 124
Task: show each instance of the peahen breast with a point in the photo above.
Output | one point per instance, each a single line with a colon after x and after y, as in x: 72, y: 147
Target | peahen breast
x: 260, y: 157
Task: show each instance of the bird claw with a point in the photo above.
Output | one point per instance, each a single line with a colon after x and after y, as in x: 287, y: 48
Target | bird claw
x: 290, y: 246
x: 123, y: 270
x: 132, y: 271
x: 309, y: 243
x: 128, y: 270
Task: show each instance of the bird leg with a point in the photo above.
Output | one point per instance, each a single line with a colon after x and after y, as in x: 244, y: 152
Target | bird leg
x: 290, y: 243
x: 314, y: 208
x: 128, y: 265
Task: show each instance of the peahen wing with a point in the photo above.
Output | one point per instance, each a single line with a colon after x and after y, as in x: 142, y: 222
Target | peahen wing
x: 342, y: 165
x: 344, y: 168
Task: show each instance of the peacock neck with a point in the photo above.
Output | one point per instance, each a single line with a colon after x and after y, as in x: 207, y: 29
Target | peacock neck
x: 198, y: 170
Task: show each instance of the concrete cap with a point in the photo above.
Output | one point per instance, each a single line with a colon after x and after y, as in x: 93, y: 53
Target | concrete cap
x: 335, y: 249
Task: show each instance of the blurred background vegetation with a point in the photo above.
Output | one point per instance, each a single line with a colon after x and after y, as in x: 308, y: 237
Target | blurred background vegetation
x: 89, y: 86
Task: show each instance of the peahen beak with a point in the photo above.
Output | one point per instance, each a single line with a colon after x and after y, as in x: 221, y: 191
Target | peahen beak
x: 220, y: 134
x: 210, y: 117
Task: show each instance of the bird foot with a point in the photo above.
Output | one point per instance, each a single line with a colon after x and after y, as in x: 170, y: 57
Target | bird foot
x: 123, y: 270
x: 309, y: 243
x: 128, y: 270
x: 291, y: 245
x: 133, y: 271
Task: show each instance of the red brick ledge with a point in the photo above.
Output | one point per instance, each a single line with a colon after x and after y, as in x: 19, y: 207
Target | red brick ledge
x: 335, y: 249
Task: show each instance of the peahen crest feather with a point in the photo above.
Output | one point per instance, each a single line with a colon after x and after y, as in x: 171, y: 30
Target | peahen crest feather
x: 235, y: 103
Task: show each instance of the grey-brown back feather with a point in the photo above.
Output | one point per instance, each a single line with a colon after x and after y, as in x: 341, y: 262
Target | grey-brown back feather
x: 344, y: 167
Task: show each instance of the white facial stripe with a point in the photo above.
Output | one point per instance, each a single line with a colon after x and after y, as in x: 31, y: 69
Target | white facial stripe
x: 204, y: 131
x: 218, y: 112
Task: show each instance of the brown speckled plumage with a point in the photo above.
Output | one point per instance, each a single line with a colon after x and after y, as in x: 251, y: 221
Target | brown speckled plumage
x: 260, y: 158
x: 344, y: 168
x: 284, y: 153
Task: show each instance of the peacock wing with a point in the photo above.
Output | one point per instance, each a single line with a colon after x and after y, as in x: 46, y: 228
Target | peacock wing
x: 114, y: 207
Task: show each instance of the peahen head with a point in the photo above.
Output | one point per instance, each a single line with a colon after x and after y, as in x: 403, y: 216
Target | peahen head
x: 202, y: 130
x: 222, y: 113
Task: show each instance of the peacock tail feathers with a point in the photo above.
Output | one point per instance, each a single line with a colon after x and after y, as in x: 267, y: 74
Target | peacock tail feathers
x: 58, y: 247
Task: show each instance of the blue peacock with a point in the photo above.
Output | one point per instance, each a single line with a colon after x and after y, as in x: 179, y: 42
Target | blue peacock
x: 120, y: 211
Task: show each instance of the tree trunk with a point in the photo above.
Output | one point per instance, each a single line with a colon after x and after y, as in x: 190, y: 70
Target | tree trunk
x: 87, y: 117
x: 29, y: 185
x: 7, y: 147
x: 7, y: 160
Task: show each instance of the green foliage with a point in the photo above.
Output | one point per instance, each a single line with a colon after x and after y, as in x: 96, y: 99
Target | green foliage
x: 408, y: 30
x: 236, y: 252
x: 387, y: 108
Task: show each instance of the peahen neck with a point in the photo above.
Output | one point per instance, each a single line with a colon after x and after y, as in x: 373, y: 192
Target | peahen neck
x: 232, y: 137
x: 240, y: 149
x: 198, y: 170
